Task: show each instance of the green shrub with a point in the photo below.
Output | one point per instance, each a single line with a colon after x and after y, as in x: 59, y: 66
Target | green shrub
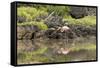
x: 59, y: 10
x: 30, y: 13
x: 40, y: 25
x: 87, y: 20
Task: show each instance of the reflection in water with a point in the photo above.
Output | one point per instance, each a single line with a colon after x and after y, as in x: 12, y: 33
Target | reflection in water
x: 56, y: 50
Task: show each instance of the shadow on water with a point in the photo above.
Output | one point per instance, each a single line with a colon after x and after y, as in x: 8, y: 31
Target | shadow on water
x: 56, y: 50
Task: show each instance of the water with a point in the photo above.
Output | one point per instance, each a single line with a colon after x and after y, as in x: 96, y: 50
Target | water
x: 56, y: 50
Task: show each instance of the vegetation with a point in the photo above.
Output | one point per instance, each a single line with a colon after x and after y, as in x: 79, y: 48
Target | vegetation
x: 40, y: 25
x: 30, y: 13
x: 86, y: 21
x: 58, y: 10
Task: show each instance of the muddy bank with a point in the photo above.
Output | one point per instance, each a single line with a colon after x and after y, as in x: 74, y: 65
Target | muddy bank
x: 31, y: 32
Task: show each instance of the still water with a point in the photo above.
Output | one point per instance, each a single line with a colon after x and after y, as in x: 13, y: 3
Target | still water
x: 56, y: 50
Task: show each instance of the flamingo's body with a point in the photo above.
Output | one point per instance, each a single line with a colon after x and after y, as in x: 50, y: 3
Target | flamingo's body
x: 65, y: 28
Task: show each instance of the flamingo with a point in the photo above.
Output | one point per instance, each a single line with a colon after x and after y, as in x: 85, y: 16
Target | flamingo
x: 63, y: 29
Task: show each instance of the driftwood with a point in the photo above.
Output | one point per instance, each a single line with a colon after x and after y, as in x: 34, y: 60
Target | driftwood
x: 49, y: 16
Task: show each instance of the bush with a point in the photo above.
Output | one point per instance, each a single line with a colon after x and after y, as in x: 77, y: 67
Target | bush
x: 87, y: 20
x: 59, y: 10
x: 30, y: 13
x: 40, y: 25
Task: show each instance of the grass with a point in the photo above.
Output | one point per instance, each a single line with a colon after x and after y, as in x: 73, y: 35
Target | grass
x: 87, y: 20
x: 40, y: 25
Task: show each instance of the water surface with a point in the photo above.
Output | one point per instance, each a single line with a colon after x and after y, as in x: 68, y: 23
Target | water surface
x: 49, y: 50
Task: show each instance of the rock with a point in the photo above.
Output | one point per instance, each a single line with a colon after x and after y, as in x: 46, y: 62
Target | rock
x: 58, y: 34
x: 39, y: 18
x: 20, y: 32
x: 81, y: 30
x: 49, y: 32
x: 91, y: 11
x: 74, y: 32
x: 71, y: 32
x: 26, y: 32
x: 21, y: 19
x: 78, y: 12
x: 40, y: 34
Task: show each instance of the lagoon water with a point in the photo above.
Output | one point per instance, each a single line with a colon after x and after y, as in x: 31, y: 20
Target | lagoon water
x: 49, y: 50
